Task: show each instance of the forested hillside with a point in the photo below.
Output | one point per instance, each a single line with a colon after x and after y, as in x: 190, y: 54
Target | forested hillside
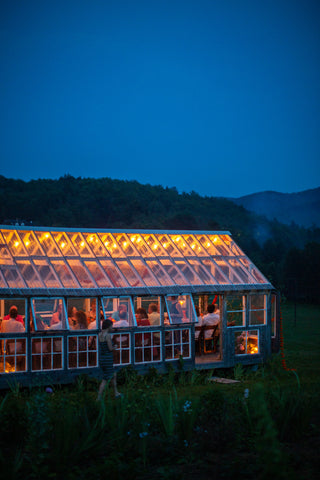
x: 287, y: 254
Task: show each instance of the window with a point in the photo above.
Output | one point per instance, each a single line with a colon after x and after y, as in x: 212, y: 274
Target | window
x: 180, y: 309
x: 7, y: 326
x: 258, y: 309
x: 82, y: 313
x: 46, y: 353
x: 151, y: 307
x: 122, y: 355
x: 13, y: 355
x: 273, y: 315
x: 147, y: 347
x: 247, y: 342
x: 236, y: 310
x: 48, y: 314
x: 177, y: 344
x: 119, y: 310
x: 82, y: 351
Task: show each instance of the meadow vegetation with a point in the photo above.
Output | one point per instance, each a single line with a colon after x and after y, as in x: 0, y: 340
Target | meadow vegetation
x: 177, y: 425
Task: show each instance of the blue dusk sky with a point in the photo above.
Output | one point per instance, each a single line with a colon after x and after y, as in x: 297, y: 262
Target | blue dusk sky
x: 220, y: 97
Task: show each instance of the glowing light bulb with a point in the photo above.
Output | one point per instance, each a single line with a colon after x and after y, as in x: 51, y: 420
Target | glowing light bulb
x: 193, y: 246
x: 62, y: 244
x: 208, y: 244
x: 106, y: 243
x: 27, y: 243
x: 82, y: 244
x: 90, y: 239
x: 124, y: 244
x: 47, y: 235
x: 155, y: 247
x: 16, y: 244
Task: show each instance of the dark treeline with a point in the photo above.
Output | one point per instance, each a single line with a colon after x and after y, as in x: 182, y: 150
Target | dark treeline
x: 289, y: 255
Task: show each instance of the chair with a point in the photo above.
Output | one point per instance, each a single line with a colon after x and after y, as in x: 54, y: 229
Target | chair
x: 210, y: 344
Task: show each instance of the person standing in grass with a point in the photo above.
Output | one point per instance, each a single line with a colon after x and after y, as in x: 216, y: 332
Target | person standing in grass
x: 106, y: 359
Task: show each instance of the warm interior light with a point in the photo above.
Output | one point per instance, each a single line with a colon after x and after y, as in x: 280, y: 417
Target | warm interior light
x: 208, y: 244
x: 47, y: 235
x: 90, y: 239
x: 27, y: 243
x: 16, y: 244
x: 193, y: 246
x: 106, y: 243
x: 62, y: 244
x: 132, y: 239
x: 165, y: 245
x: 138, y: 240
x: 82, y: 244
x: 215, y: 239
x: 114, y: 245
x: 155, y: 246
x: 124, y: 244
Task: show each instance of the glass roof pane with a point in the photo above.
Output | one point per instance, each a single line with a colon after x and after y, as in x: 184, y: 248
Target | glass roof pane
x: 159, y: 272
x: 81, y: 274
x: 154, y: 245
x: 253, y: 270
x: 47, y: 273
x: 3, y: 283
x: 113, y: 273
x: 64, y: 273
x: 64, y: 244
x: 187, y: 271
x: 215, y: 271
x: 80, y: 244
x: 243, y: 275
x: 181, y: 243
x: 126, y: 245
x: 48, y: 244
x: 31, y: 243
x: 98, y: 274
x: 219, y: 244
x: 14, y: 243
x: 96, y: 245
x: 195, y: 246
x: 173, y: 272
x: 207, y: 245
x: 225, y: 268
x: 140, y: 245
x: 233, y: 247
x: 4, y: 252
x: 29, y: 274
x: 111, y: 245
x: 168, y: 245
x: 12, y: 276
x: 129, y: 273
x: 202, y: 272
x: 144, y: 272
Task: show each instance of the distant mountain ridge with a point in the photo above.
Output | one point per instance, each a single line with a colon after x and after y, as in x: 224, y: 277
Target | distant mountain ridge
x: 302, y: 208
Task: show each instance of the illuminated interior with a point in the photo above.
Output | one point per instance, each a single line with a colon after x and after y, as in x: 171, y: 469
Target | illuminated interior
x: 31, y: 258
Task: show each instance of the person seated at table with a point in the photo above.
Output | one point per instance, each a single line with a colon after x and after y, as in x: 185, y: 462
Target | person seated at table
x: 210, y: 319
x: 121, y: 320
x: 12, y: 325
x: 81, y: 321
x: 153, y: 314
x: 19, y: 317
x: 57, y: 316
x: 72, y: 316
x: 142, y: 318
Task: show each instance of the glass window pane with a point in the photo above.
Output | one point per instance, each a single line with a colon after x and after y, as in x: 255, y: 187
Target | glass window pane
x: 113, y: 273
x: 224, y: 267
x: 202, y: 272
x: 238, y: 274
x: 187, y: 271
x: 81, y: 274
x: 96, y: 245
x: 14, y: 243
x: 151, y: 305
x: 140, y: 245
x: 119, y: 309
x: 182, y: 245
x: 14, y: 311
x: 159, y: 272
x: 258, y: 309
x: 168, y: 245
x: 80, y: 244
x: 48, y: 314
x: 29, y: 274
x: 129, y: 273
x: 193, y: 243
x: 126, y: 245
x: 47, y: 274
x: 257, y: 276
x: 215, y: 271
x: 219, y: 245
x: 111, y: 245
x: 3, y: 283
x: 154, y: 245
x: 232, y: 246
x: 207, y: 245
x: 236, y: 310
x: 173, y: 272
x: 48, y: 244
x: 64, y: 273
x: 31, y: 244
x: 64, y: 244
x: 180, y: 309
x: 98, y: 274
x: 144, y: 272
x: 82, y: 313
x: 247, y: 342
x: 4, y: 252
x: 12, y: 276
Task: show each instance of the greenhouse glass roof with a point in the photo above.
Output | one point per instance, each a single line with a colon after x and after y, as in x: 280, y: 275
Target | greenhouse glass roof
x: 54, y: 261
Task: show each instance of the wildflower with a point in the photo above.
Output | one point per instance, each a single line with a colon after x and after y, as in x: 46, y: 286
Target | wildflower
x: 246, y: 393
x: 143, y: 434
x: 49, y: 390
x: 187, y: 406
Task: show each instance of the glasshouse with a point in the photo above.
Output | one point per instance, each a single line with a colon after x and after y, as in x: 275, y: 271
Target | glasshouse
x: 191, y: 299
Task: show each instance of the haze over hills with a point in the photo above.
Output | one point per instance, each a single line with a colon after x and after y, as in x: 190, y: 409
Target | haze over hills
x: 302, y: 208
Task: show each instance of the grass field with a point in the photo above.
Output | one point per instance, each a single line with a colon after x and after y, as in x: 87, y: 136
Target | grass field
x: 178, y: 425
